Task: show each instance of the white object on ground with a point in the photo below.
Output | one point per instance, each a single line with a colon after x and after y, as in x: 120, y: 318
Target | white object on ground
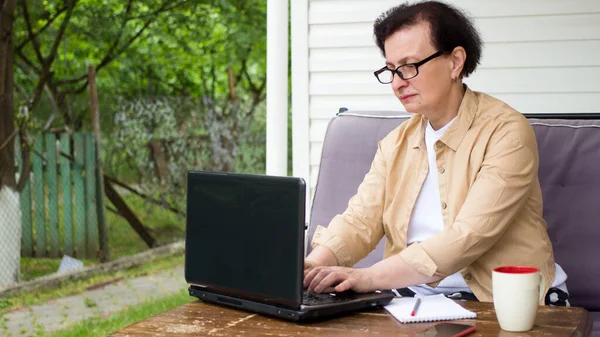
x: 68, y: 263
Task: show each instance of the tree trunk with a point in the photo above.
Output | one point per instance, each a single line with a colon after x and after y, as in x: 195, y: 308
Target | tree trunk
x: 7, y: 117
x: 159, y: 157
x: 10, y: 214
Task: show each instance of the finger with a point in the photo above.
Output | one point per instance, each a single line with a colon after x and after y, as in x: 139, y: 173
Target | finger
x: 318, y: 279
x: 308, y: 267
x: 344, y: 286
x: 309, y: 276
x: 330, y: 280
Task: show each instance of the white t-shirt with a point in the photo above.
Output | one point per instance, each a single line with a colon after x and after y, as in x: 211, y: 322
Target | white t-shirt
x: 426, y: 220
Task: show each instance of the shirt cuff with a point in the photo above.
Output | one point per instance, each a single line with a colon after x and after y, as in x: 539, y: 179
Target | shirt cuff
x: 325, y: 237
x: 434, y: 284
x: 416, y: 257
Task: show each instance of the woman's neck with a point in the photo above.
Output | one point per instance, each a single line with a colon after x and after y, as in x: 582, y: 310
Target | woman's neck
x: 450, y: 106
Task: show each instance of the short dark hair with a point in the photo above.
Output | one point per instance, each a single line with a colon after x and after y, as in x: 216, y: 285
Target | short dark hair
x: 449, y: 26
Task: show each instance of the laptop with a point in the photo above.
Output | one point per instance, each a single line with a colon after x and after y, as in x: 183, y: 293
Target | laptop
x: 245, y: 248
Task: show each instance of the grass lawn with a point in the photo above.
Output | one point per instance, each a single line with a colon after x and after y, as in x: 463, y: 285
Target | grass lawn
x: 76, y: 287
x: 105, y: 326
x: 32, y: 268
x: 165, y: 226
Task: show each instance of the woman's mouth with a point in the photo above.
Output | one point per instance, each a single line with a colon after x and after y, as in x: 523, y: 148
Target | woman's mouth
x: 407, y: 97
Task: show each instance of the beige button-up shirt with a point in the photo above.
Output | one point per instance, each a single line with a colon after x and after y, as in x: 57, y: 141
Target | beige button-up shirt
x: 490, y: 196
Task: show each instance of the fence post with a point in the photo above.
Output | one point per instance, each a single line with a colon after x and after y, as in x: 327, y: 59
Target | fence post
x: 103, y: 231
x: 80, y: 211
x: 65, y: 179
x: 52, y: 181
x: 90, y: 197
x: 38, y: 197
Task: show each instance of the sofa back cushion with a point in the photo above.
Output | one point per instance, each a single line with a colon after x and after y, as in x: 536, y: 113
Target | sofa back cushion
x: 569, y: 175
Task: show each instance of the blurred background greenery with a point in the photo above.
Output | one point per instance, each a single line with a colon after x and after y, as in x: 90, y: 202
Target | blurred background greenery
x: 181, y: 86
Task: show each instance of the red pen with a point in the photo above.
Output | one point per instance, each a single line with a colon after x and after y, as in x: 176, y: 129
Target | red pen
x: 415, y: 307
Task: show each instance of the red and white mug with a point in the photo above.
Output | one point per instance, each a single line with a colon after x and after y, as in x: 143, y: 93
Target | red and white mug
x: 517, y: 292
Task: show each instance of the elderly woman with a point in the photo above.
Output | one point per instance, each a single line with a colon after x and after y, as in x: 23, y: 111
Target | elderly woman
x: 454, y: 189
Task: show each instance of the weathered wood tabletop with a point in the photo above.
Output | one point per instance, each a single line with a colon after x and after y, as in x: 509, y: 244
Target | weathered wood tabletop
x: 202, y: 319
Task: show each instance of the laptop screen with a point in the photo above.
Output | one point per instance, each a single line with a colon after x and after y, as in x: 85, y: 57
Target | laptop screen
x: 245, y: 235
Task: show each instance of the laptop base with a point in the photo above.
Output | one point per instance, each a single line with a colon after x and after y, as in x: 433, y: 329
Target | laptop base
x: 303, y: 314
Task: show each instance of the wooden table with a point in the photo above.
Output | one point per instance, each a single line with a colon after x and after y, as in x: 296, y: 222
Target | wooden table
x: 202, y: 319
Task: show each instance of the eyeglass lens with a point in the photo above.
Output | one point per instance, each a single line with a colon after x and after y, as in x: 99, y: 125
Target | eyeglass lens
x: 405, y: 72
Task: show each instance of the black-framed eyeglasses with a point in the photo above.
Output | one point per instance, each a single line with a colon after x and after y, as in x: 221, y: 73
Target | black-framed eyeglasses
x: 406, y: 71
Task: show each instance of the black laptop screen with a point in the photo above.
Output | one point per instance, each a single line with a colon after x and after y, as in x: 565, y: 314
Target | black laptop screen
x: 244, y: 234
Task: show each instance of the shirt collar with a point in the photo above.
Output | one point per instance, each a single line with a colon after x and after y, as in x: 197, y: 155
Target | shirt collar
x: 457, y: 131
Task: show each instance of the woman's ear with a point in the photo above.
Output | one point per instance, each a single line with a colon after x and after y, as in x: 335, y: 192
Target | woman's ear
x: 458, y: 56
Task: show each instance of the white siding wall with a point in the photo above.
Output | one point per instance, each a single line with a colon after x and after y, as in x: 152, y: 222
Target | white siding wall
x: 539, y: 56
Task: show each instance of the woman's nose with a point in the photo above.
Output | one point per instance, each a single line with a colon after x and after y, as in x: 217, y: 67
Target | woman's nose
x: 398, y: 82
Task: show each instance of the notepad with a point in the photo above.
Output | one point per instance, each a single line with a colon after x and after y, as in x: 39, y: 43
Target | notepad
x: 432, y: 308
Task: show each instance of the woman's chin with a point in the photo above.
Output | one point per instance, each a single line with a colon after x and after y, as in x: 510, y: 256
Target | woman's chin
x: 410, y: 108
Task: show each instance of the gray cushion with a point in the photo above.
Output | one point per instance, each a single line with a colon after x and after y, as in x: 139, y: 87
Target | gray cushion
x: 569, y: 175
x: 596, y: 327
x: 570, y: 179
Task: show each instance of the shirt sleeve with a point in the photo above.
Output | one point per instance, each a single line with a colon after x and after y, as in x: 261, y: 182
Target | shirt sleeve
x: 355, y: 233
x: 499, y: 192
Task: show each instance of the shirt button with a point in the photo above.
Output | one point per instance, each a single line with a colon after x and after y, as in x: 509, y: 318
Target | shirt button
x: 444, y: 206
x: 438, y: 144
x: 442, y: 170
x: 468, y: 277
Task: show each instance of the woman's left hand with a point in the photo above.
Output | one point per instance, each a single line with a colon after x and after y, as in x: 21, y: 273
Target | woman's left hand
x: 342, y: 278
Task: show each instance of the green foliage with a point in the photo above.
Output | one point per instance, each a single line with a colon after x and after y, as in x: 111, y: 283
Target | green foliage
x: 140, y: 48
x: 188, y: 134
x: 186, y: 76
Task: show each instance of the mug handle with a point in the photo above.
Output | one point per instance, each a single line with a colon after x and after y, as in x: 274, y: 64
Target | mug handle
x: 542, y: 287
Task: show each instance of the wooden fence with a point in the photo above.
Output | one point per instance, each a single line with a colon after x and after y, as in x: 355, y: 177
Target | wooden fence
x: 59, y: 205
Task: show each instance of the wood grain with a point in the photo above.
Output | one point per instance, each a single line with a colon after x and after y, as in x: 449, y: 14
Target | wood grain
x: 202, y: 319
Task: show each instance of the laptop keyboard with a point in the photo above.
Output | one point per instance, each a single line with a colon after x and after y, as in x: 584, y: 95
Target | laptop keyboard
x: 327, y: 298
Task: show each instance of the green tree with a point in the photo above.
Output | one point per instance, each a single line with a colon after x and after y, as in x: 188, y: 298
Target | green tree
x: 207, y: 55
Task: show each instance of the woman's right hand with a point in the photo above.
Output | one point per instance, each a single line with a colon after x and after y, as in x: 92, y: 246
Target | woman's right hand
x: 309, y: 265
x: 320, y: 256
